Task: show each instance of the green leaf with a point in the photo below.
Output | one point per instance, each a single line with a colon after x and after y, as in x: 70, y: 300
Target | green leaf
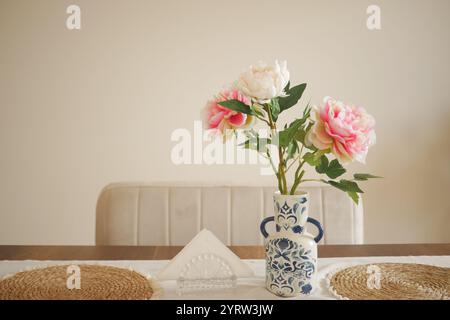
x: 336, y: 184
x: 310, y: 147
x: 335, y: 169
x: 350, y: 187
x: 286, y: 89
x: 301, y: 132
x: 296, y: 127
x: 237, y: 106
x: 257, y: 110
x: 285, y: 137
x: 307, y: 111
x: 255, y: 143
x: 300, y: 136
x: 332, y: 169
x: 298, y: 122
x: 293, y: 95
x: 311, y: 159
x: 323, y: 167
x: 364, y: 176
x: 315, y: 158
x: 354, y: 196
x: 345, y: 185
x: 292, y: 149
x: 275, y: 109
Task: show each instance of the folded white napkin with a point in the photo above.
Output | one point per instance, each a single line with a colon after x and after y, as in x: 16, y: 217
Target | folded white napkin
x: 205, y: 242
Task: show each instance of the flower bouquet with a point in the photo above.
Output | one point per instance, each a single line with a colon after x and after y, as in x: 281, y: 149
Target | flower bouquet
x: 325, y: 137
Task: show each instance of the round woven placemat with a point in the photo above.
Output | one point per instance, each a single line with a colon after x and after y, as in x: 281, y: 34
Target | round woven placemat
x: 97, y: 282
x: 398, y: 281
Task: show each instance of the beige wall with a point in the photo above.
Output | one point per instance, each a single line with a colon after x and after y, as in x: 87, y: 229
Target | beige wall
x: 81, y: 109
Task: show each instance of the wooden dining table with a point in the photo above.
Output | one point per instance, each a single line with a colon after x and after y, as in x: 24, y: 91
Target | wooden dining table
x: 14, y: 252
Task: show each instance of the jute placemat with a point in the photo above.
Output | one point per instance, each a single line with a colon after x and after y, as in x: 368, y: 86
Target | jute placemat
x: 397, y: 281
x: 97, y: 282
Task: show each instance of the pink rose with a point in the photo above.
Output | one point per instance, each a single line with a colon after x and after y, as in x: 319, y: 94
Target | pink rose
x: 348, y: 131
x: 221, y: 118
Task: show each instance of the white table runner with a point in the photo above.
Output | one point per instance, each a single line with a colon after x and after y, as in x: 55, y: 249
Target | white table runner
x: 250, y: 288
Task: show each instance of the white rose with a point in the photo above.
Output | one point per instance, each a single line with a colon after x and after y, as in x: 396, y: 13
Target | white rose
x: 263, y: 82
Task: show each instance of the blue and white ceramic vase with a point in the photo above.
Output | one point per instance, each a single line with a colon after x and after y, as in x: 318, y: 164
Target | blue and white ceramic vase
x: 291, y: 253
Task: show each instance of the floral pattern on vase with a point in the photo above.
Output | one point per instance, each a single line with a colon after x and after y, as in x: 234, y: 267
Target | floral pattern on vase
x: 290, y: 267
x: 290, y: 214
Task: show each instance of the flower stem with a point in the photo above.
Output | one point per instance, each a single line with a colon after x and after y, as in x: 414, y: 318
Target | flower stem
x: 299, y: 173
x: 271, y: 162
x: 261, y: 118
x: 292, y: 163
x: 282, y: 184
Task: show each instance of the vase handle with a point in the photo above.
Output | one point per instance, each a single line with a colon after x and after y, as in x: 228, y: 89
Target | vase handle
x: 310, y: 220
x: 318, y: 226
x: 262, y: 227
